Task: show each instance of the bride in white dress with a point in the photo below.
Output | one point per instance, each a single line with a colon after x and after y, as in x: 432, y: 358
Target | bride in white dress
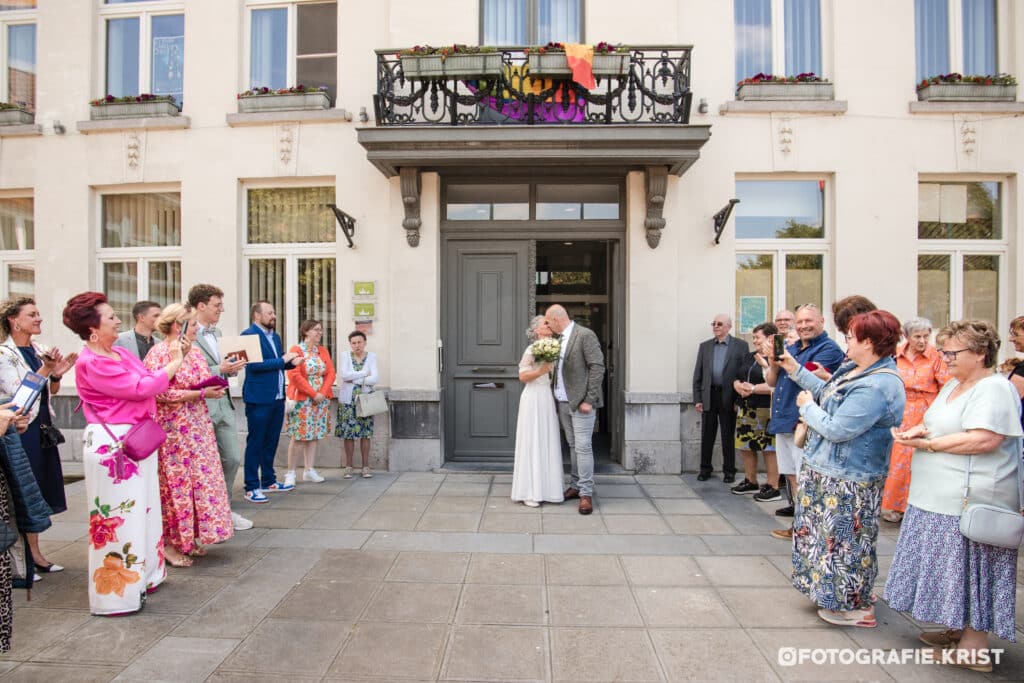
x: 537, y: 473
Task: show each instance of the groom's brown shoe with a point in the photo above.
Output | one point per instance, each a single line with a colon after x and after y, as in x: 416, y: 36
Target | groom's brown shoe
x: 571, y: 493
x: 586, y: 505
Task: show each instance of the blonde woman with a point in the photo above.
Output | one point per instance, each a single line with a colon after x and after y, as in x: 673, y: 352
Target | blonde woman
x: 193, y: 497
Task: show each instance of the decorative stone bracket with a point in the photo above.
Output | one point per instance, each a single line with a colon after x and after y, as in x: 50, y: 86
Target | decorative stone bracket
x: 656, y: 181
x: 409, y: 178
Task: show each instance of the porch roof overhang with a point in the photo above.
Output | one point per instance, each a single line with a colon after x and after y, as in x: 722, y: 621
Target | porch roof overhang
x: 625, y: 147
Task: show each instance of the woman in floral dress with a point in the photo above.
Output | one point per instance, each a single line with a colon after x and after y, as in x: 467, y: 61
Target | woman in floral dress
x: 193, y: 498
x: 923, y: 372
x: 309, y: 385
x: 846, y: 457
x: 359, y: 374
x: 126, y: 548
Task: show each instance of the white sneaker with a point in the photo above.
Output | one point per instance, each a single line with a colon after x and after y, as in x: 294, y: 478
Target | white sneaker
x: 289, y: 478
x: 240, y: 523
x: 312, y: 475
x: 348, y: 473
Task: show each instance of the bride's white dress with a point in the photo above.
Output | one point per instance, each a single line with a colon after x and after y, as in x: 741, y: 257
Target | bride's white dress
x: 537, y: 474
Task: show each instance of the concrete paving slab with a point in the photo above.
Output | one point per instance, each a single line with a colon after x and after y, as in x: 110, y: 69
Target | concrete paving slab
x: 497, y: 653
x: 457, y: 504
x: 511, y: 523
x: 326, y: 599
x: 683, y: 506
x: 353, y: 565
x: 454, y: 542
x: 609, y: 654
x: 697, y: 525
x: 493, y: 604
x: 310, y: 538
x: 175, y: 659
x: 434, y: 567
x: 269, y: 648
x: 589, y: 606
x: 389, y: 651
x: 490, y: 568
x: 620, y: 544
x: 663, y: 571
x: 47, y: 673
x: 419, y: 602
x: 678, y: 607
x: 635, y: 524
x: 588, y: 570
x: 741, y: 571
x: 790, y: 609
x: 574, y: 524
x: 105, y: 641
x: 449, y: 521
x: 696, y: 655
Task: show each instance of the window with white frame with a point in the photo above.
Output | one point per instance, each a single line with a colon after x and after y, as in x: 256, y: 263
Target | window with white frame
x: 140, y: 249
x: 962, y: 251
x: 956, y: 36
x: 17, y: 247
x: 530, y: 22
x: 290, y: 256
x: 143, y: 47
x: 782, y: 37
x: 293, y: 43
x: 18, y: 48
x: 782, y: 250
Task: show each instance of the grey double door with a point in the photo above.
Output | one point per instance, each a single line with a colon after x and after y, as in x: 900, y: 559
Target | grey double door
x: 486, y: 303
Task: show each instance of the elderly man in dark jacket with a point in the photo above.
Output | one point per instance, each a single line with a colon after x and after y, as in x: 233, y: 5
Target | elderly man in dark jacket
x: 577, y: 388
x: 718, y: 363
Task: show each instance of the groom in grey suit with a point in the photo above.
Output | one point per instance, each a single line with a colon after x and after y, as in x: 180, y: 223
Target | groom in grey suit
x: 208, y: 303
x: 577, y: 389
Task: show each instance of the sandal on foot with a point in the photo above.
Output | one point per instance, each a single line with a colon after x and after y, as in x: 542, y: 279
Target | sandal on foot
x: 198, y: 551
x: 892, y: 516
x: 857, y: 617
x: 183, y: 561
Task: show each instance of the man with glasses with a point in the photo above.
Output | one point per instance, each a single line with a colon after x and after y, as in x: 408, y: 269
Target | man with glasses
x: 718, y: 363
x: 784, y: 320
x: 818, y: 353
x: 208, y: 303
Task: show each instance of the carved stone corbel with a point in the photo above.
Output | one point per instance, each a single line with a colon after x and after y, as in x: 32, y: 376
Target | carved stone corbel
x: 656, y: 180
x: 409, y: 181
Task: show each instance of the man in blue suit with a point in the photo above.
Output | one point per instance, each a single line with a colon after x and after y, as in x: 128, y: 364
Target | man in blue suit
x: 263, y: 393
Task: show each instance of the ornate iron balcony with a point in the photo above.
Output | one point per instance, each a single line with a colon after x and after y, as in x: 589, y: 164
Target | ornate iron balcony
x: 647, y: 85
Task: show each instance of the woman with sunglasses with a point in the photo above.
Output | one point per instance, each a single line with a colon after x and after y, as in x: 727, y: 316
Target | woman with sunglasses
x: 937, y: 574
x: 193, y: 497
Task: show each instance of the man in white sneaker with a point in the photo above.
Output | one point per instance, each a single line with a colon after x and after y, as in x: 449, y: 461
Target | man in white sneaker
x: 208, y: 303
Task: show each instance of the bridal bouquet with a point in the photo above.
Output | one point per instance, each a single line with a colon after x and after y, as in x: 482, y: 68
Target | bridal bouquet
x: 546, y: 350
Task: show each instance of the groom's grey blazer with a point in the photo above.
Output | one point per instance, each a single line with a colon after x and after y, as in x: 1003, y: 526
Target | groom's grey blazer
x: 582, y: 368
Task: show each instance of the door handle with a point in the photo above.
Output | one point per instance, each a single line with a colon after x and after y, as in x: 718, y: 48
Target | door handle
x: 489, y: 370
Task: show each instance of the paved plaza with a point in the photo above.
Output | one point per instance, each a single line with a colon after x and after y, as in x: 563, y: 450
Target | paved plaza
x: 435, y: 576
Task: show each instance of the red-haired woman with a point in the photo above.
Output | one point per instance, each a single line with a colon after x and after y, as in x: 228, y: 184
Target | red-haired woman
x: 846, y: 458
x: 126, y: 556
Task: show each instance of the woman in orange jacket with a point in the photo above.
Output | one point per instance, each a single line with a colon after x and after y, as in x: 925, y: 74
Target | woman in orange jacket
x: 309, y: 386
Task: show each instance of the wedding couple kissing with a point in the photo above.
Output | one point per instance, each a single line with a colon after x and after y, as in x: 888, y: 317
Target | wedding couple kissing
x: 562, y: 371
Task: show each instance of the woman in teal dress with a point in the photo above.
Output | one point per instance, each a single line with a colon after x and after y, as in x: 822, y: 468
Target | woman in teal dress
x: 358, y: 374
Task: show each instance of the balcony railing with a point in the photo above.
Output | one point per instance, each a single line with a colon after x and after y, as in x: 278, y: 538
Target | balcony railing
x: 653, y: 87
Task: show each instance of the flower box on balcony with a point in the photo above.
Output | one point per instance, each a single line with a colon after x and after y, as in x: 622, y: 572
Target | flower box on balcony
x: 15, y: 117
x: 967, y: 92
x: 557, y: 64
x: 290, y: 101
x: 110, y: 108
x: 471, y: 65
x: 768, y: 91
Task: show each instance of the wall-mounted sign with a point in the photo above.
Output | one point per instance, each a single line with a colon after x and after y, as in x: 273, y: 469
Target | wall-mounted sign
x: 364, y: 310
x: 366, y: 288
x: 753, y: 312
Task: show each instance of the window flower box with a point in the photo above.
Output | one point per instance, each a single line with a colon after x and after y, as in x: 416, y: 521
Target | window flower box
x: 967, y: 92
x: 555, y: 63
x: 768, y: 91
x: 138, y: 106
x: 456, y: 65
x: 253, y: 101
x: 13, y: 116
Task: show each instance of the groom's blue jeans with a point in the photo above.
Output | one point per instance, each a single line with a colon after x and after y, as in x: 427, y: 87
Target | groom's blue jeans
x: 579, y: 432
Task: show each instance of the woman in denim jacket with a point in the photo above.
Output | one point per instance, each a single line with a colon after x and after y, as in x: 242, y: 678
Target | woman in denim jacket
x: 846, y: 458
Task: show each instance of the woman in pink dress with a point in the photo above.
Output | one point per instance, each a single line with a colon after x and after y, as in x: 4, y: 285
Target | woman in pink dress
x: 193, y: 498
x: 923, y: 372
x: 126, y: 549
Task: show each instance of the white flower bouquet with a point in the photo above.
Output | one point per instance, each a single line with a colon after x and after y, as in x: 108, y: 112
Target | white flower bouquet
x: 546, y: 350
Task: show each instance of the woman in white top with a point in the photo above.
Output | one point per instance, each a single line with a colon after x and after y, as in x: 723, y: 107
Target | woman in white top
x: 358, y: 374
x: 537, y: 472
x: 937, y: 574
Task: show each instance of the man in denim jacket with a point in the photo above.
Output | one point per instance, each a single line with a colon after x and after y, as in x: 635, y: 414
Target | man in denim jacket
x: 820, y: 355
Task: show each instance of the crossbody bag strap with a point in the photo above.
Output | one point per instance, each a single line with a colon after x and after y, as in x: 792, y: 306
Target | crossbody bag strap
x: 1017, y: 471
x: 81, y: 404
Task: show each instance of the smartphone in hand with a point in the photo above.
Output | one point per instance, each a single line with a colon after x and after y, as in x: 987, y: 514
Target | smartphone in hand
x: 26, y: 395
x: 184, y: 328
x: 779, y: 343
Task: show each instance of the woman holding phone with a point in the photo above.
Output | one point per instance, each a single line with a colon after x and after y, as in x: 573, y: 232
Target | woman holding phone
x: 193, y: 497
x: 19, y: 355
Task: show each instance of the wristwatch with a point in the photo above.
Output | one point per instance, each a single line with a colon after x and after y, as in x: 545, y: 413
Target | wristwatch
x: 55, y: 378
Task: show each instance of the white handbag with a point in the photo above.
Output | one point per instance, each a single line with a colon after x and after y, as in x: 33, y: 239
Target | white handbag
x: 372, y: 403
x: 991, y: 524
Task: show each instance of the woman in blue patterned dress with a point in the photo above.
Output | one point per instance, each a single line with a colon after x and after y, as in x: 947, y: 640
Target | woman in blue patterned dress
x: 309, y: 385
x: 358, y: 374
x: 938, y: 575
x: 846, y: 458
